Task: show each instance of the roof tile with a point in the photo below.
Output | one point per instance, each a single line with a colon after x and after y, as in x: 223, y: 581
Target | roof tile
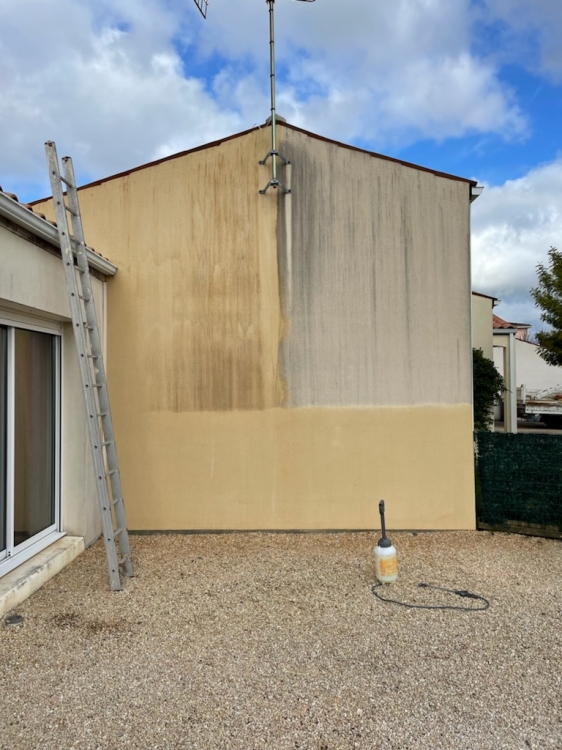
x: 501, y: 324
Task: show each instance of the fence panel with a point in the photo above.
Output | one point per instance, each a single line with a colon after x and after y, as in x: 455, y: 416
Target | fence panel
x: 519, y: 483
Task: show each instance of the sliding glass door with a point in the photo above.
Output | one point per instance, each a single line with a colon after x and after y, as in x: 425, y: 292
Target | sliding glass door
x: 29, y: 430
x: 34, y: 434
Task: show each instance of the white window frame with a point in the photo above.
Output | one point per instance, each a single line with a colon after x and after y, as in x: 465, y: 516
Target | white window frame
x: 15, y: 555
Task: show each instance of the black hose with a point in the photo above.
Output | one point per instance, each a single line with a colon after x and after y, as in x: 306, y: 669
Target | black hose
x: 459, y: 592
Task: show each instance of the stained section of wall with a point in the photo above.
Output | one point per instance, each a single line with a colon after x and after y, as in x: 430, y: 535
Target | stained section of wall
x: 375, y: 283
x: 195, y: 306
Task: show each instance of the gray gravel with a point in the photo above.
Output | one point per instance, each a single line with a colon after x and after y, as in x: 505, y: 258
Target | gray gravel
x: 276, y: 641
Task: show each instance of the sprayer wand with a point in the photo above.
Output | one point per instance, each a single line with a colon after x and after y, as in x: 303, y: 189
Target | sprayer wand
x: 383, y: 526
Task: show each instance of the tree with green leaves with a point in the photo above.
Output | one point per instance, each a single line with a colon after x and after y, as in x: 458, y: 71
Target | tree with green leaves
x: 488, y: 386
x: 548, y: 297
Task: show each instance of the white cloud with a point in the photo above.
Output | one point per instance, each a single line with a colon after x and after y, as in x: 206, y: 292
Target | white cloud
x: 533, y: 20
x: 105, y: 80
x: 111, y: 98
x: 514, y: 226
x: 384, y: 72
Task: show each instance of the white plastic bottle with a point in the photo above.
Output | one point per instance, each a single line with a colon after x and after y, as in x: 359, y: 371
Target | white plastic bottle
x: 386, y: 560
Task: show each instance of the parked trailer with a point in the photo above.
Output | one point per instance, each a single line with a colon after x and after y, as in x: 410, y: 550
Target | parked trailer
x: 545, y: 405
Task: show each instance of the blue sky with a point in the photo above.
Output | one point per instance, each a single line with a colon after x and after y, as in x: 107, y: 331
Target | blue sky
x: 471, y: 87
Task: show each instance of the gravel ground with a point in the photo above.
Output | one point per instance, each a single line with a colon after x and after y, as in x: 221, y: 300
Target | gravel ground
x: 274, y: 641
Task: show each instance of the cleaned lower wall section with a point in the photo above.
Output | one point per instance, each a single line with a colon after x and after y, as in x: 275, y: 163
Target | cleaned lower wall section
x: 300, y: 468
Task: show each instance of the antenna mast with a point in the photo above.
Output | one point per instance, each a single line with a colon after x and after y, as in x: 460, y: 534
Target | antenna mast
x: 273, y: 152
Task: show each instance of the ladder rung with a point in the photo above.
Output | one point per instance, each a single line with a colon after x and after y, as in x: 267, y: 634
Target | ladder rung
x: 86, y: 299
x: 66, y: 182
x: 90, y: 328
x: 117, y: 500
x: 101, y: 414
x: 94, y: 356
x: 97, y: 385
x: 108, y: 442
x: 70, y: 211
x: 109, y: 473
x: 123, y: 560
x: 118, y: 531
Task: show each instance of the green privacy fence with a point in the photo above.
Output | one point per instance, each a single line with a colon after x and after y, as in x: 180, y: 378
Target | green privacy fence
x: 519, y: 483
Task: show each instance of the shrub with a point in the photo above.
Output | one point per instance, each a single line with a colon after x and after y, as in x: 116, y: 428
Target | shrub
x: 488, y: 386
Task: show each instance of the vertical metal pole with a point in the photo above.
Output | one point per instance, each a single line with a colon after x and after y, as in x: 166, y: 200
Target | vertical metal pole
x: 512, y: 385
x: 274, y: 182
x: 271, y: 4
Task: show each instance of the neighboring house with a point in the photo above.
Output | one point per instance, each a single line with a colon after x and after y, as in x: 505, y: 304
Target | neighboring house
x: 516, y: 359
x: 532, y: 370
x: 482, y: 316
x: 529, y: 369
x: 283, y: 361
x: 505, y: 337
x: 47, y: 487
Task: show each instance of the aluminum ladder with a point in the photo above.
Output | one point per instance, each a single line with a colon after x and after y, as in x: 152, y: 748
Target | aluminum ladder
x: 92, y: 371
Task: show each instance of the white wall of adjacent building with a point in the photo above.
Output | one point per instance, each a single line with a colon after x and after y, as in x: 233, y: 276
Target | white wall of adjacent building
x: 33, y: 296
x: 531, y: 370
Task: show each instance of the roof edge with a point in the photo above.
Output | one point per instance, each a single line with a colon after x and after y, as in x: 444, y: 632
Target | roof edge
x: 487, y: 296
x: 125, y: 173
x: 473, y: 183
x: 42, y: 228
x: 280, y: 123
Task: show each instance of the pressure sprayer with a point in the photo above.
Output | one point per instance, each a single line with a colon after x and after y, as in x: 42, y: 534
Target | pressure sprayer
x: 386, y: 562
x: 386, y: 570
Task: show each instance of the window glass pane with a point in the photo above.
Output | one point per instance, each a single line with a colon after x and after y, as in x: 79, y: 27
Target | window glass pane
x: 3, y: 427
x: 34, y: 465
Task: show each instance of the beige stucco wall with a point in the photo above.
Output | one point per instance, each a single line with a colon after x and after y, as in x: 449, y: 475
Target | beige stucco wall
x: 195, y: 319
x: 316, y: 468
x: 32, y: 285
x: 482, y: 325
x: 221, y: 420
x: 379, y: 308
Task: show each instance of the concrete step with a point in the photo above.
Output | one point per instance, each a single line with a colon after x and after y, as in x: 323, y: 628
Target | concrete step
x: 20, y: 583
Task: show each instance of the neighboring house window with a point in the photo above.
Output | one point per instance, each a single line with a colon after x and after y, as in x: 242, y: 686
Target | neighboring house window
x: 29, y: 441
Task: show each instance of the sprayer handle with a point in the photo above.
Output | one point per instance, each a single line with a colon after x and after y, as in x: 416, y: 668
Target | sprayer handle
x: 383, y: 526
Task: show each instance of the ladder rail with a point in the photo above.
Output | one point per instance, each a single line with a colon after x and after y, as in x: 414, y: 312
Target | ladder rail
x: 99, y: 369
x: 86, y: 335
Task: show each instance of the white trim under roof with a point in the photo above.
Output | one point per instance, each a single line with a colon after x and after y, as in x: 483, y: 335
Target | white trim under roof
x: 29, y: 220
x: 475, y: 192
